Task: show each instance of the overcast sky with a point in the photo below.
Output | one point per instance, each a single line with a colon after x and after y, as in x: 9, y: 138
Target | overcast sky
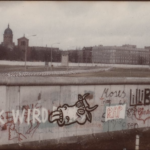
x: 77, y: 24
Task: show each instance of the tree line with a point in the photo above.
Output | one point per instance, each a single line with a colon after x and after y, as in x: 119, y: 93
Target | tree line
x: 16, y: 54
x: 75, y: 56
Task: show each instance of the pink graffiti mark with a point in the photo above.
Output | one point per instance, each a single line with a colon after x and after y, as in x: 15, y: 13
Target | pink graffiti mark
x: 114, y: 112
x: 8, y: 122
x: 33, y: 127
x: 13, y: 132
x: 18, y: 135
x: 139, y: 113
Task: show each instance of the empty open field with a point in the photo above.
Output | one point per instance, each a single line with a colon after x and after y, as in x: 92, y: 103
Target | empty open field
x: 7, y: 68
x: 117, y: 72
x: 113, y: 72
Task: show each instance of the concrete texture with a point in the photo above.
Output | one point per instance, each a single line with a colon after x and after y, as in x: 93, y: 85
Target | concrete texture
x: 8, y: 80
x: 83, y: 113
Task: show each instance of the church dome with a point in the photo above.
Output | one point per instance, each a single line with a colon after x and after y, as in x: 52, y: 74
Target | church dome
x: 8, y: 31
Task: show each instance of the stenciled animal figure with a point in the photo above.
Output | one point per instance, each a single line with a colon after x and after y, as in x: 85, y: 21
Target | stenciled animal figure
x: 79, y: 113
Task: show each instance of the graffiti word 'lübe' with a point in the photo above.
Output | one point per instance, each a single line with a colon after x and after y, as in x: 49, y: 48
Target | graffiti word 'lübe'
x: 115, y: 112
x: 140, y: 97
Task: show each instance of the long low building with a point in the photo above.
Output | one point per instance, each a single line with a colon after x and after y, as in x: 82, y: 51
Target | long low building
x: 125, y: 54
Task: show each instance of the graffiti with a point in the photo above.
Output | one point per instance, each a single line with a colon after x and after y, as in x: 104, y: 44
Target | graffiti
x: 141, y: 97
x: 131, y: 112
x: 113, y: 125
x: 106, y: 93
x: 34, y: 113
x: 107, y: 102
x: 30, y: 115
x: 115, y: 112
x: 79, y: 113
x: 103, y: 117
x: 122, y: 102
x: 139, y: 113
x: 132, y: 125
x: 14, y: 134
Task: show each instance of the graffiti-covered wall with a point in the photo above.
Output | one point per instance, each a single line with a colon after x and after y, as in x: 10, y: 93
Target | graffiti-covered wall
x: 34, y: 113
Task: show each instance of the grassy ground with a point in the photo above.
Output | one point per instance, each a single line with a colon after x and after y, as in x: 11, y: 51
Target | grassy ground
x: 113, y: 72
x: 117, y: 72
x: 6, y: 69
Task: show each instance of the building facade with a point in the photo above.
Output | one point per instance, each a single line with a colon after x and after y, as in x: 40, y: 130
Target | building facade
x: 8, y: 38
x: 23, y: 43
x: 87, y: 54
x: 125, y: 54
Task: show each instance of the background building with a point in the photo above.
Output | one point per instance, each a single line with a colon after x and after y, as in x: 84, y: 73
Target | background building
x: 87, y: 54
x: 8, y: 38
x: 23, y: 43
x: 38, y: 53
x: 64, y: 58
x: 126, y: 54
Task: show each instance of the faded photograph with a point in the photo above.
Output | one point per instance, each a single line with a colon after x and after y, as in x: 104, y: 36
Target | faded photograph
x: 74, y: 75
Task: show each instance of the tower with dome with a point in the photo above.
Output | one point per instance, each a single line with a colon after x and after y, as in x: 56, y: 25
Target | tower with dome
x: 8, y: 38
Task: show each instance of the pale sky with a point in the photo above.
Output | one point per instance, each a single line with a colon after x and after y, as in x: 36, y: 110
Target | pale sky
x: 77, y: 24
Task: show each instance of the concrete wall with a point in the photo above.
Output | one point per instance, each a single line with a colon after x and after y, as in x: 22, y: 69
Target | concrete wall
x: 64, y: 60
x: 113, y: 104
x: 22, y: 63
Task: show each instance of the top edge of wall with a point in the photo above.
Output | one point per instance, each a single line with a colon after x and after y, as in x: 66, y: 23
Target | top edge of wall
x: 36, y: 81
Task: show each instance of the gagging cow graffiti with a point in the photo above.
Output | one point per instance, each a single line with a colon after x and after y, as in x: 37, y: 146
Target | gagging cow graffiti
x: 79, y: 113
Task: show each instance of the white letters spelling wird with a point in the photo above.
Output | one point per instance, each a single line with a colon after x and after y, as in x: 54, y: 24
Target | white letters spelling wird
x: 36, y: 115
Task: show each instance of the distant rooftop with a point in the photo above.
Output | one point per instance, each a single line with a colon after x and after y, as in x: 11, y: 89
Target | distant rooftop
x: 123, y: 47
